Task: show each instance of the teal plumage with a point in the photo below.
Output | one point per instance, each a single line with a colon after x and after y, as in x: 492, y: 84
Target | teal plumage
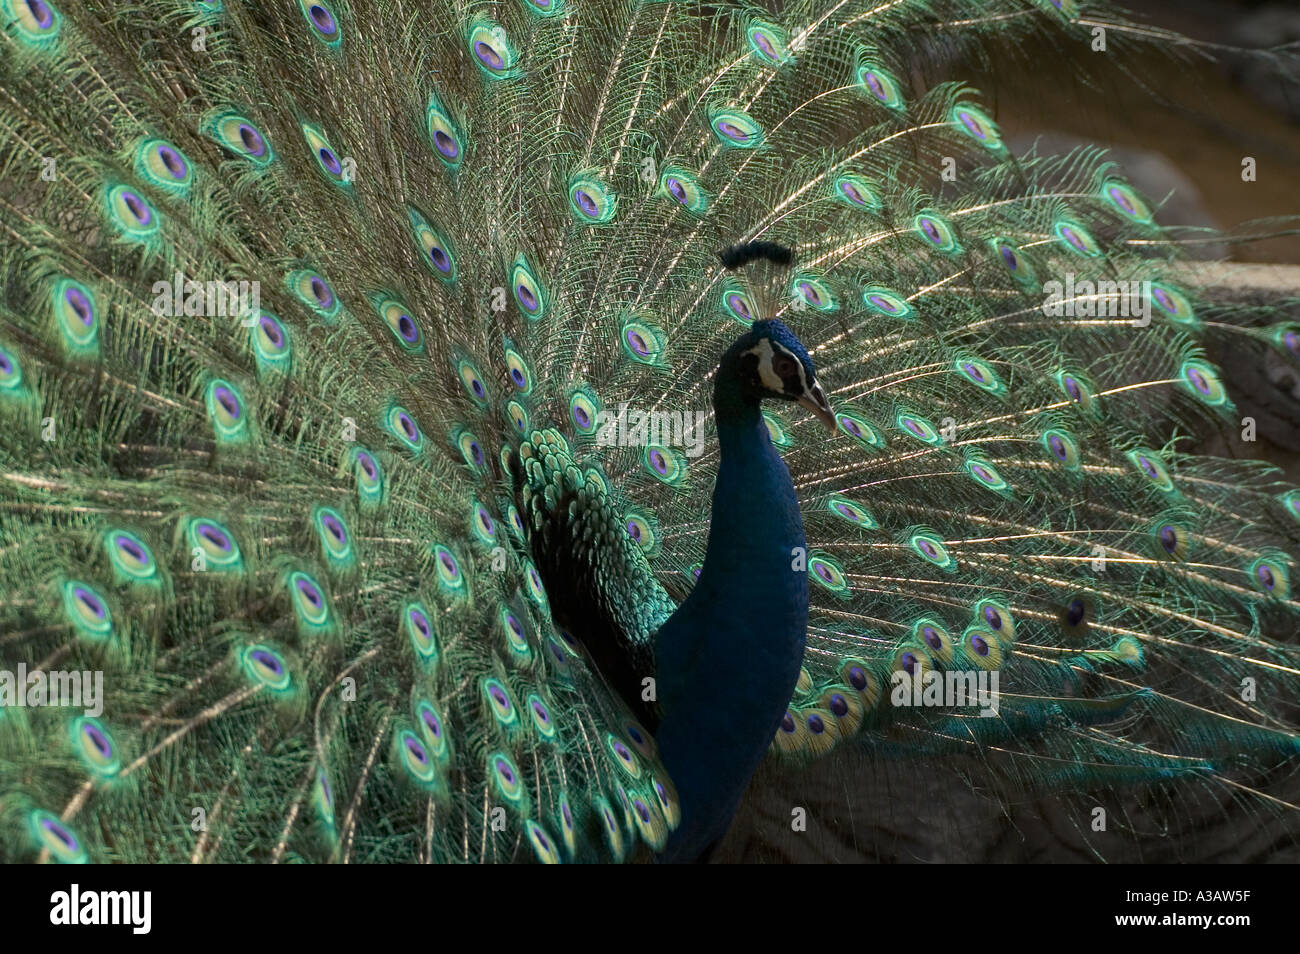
x: 364, y: 574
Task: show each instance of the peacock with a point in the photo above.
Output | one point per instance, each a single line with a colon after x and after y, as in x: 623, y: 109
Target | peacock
x: 494, y: 430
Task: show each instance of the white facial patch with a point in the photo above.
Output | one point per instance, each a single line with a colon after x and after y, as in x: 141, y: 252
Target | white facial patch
x: 765, y: 350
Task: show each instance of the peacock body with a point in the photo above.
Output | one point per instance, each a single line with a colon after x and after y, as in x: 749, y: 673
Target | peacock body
x: 341, y: 346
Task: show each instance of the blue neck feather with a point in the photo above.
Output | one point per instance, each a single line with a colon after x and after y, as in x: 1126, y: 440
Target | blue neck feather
x: 729, y: 658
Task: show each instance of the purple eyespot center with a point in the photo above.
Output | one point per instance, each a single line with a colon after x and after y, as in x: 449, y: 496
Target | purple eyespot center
x: 488, y: 56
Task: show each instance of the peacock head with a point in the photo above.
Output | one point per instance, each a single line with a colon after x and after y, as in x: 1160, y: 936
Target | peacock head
x: 773, y: 364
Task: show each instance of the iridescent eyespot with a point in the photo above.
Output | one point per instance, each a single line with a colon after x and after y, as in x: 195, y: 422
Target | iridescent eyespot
x: 434, y: 247
x: 443, y: 132
x: 226, y: 411
x: 854, y: 190
x: 735, y: 129
x: 130, y: 556
x: 1202, y: 380
x: 546, y: 850
x: 979, y: 373
x: 369, y: 476
x: 415, y: 757
x: 400, y: 321
x: 1073, y: 237
x: 1127, y: 202
x: 162, y: 164
x: 35, y: 22
x: 848, y: 510
x: 335, y: 541
x: 500, y: 703
x: 76, y: 316
x: 1015, y: 261
x: 87, y: 611
x: 309, y: 601
x: 527, y: 287
x: 516, y: 639
x: 270, y: 341
x: 1171, y: 541
x: 767, y: 43
x: 324, y: 25
x: 1151, y: 466
x: 881, y: 86
x: 399, y: 423
x: 982, y: 647
x: 448, y: 569
x: 929, y: 546
x: 520, y: 376
x: 314, y: 290
x: 433, y: 730
x: 1077, y: 389
x: 976, y: 124
x: 326, y: 156
x: 11, y: 373
x: 935, y: 637
x: 813, y: 291
x: 211, y: 546
x: 986, y: 475
x: 583, y: 410
x: 860, y: 429
x: 131, y: 213
x: 94, y: 745
x: 418, y: 625
x: 590, y: 200
x: 1062, y: 448
x: 1286, y: 339
x: 491, y: 51
x: 915, y: 426
x: 506, y: 780
x: 541, y: 717
x: 265, y: 667
x: 1172, y: 303
x: 828, y: 574
x: 683, y: 187
x: 473, y: 381
x: 936, y: 231
x: 737, y: 304
x: 1077, y: 615
x: 664, y: 464
x: 52, y: 835
x: 776, y: 430
x: 997, y: 617
x: 624, y: 757
x: 236, y: 133
x: 642, y: 341
x: 1270, y: 576
x: 641, y: 529
x: 1290, y: 502
x: 887, y: 302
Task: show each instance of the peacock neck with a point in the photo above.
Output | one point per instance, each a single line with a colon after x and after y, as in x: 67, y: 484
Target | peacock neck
x: 729, y: 658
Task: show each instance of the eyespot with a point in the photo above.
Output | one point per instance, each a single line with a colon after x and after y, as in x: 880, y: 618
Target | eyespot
x: 309, y: 601
x: 500, y: 703
x: 270, y: 340
x: 854, y: 513
x: 324, y: 25
x: 1015, y: 261
x: 917, y: 427
x: 314, y: 290
x: 1270, y: 576
x: 516, y: 638
x: 976, y: 124
x: 236, y: 133
x: 813, y: 291
x: 160, y: 163
x: 520, y: 375
x: 683, y: 187
x: 35, y: 22
x: 854, y: 190
x: 444, y: 135
x: 767, y: 43
x: 1171, y: 540
x: 130, y: 556
x: 335, y: 541
x: 530, y: 293
x: 1202, y: 380
x: 94, y: 745
x: 776, y: 431
x: 1172, y: 303
x: 932, y: 634
x: 399, y: 422
x: 642, y: 342
x: 590, y: 201
x: 997, y: 617
x: 433, y: 245
x: 326, y: 156
x: 11, y: 373
x: 986, y: 475
x: 57, y: 838
x: 1152, y: 468
x: 863, y: 679
x: 217, y: 545
x: 491, y: 51
x: 1125, y: 201
x: 448, y: 569
x: 979, y: 373
x: 131, y: 213
x: 828, y: 574
x: 1061, y: 447
x: 1077, y: 615
x: 624, y: 757
x: 982, y: 648
x: 887, y: 302
x: 1074, y: 238
x: 401, y: 322
x: 664, y: 464
x: 473, y: 381
x: 738, y: 305
x: 265, y: 667
x: 735, y: 129
x: 533, y: 581
x: 929, y: 547
x: 1078, y: 390
x: 860, y: 429
x: 432, y: 730
x: 583, y: 410
x: 641, y: 530
x: 226, y: 411
x: 369, y: 476
x: 418, y: 625
x: 881, y: 86
x: 506, y: 779
x: 936, y: 231
x: 540, y: 713
x: 415, y: 757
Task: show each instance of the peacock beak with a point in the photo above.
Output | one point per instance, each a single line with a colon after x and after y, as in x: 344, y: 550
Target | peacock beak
x: 814, y: 399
